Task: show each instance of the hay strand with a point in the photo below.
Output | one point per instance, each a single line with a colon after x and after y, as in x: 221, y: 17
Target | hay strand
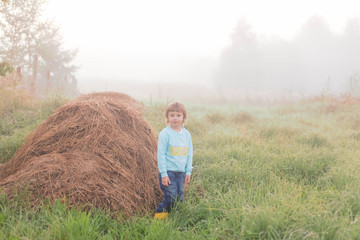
x: 97, y: 151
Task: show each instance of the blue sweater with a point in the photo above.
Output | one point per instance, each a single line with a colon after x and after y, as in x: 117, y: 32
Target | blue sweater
x: 175, y: 151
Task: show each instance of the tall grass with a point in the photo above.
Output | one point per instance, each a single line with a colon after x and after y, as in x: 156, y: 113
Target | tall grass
x: 289, y: 172
x: 21, y: 115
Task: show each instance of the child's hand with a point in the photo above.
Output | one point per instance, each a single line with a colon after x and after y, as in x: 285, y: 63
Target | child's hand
x: 187, y: 179
x: 165, y: 181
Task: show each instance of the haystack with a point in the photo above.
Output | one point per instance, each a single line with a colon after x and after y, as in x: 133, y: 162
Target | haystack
x: 92, y: 151
x: 114, y: 96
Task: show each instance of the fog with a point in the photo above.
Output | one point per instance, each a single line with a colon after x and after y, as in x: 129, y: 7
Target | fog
x: 215, y: 49
x: 315, y: 61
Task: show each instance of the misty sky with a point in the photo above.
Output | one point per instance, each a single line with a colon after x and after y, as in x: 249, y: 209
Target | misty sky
x: 164, y: 40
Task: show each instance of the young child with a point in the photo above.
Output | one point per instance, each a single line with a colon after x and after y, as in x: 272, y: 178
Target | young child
x: 174, y: 155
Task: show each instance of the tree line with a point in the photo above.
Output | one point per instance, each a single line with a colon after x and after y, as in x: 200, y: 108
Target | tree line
x: 314, y: 60
x: 33, y: 46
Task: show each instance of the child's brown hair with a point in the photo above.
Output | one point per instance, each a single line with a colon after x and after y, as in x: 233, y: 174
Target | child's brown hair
x: 175, y: 107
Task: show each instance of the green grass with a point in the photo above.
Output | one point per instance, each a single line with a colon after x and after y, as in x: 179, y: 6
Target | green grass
x: 17, y: 122
x: 286, y: 172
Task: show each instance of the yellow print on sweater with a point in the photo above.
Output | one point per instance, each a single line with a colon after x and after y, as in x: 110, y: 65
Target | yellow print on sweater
x: 179, y: 151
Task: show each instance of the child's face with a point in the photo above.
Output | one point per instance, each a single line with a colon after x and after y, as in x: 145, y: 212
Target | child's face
x: 175, y: 119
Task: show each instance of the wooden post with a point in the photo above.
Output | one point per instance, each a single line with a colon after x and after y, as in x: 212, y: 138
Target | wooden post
x: 33, y: 82
x: 18, y: 76
x: 47, y: 82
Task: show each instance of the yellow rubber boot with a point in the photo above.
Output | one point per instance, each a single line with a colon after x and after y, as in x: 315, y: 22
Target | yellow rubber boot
x: 161, y: 216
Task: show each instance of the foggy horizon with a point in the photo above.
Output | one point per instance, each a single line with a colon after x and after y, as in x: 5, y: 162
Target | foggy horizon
x: 171, y: 42
x: 225, y: 49
x: 314, y: 61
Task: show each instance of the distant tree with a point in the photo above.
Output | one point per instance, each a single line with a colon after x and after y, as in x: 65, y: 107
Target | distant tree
x: 53, y: 57
x: 18, y: 23
x: 315, y: 29
x: 313, y: 58
x: 351, y: 39
x: 351, y: 51
x: 318, y: 53
x: 24, y: 35
x: 240, y: 61
x: 315, y: 39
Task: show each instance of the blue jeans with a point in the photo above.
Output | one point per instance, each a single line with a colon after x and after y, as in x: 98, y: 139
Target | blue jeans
x: 172, y: 193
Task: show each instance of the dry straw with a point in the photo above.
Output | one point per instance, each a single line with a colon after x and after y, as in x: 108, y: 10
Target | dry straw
x: 94, y: 151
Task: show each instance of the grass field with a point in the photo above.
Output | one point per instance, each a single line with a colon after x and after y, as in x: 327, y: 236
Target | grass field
x: 281, y: 172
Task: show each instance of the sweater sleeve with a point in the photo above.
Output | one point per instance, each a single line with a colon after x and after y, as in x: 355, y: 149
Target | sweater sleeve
x: 188, y: 167
x: 161, y: 151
